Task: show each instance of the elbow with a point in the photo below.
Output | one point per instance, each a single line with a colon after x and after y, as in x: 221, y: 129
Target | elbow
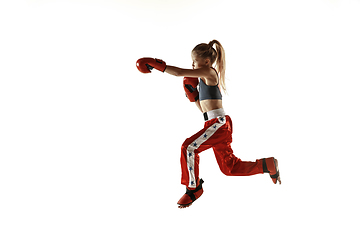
x: 174, y: 71
x: 178, y: 73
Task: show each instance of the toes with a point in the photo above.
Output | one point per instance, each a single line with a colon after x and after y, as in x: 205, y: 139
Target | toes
x: 182, y: 206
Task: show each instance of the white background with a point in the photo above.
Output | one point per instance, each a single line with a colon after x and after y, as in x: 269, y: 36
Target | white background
x: 90, y: 147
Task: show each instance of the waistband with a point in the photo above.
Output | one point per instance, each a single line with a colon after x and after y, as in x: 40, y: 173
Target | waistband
x: 214, y: 114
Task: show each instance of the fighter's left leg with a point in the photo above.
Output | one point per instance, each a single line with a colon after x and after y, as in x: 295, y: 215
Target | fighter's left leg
x: 231, y: 165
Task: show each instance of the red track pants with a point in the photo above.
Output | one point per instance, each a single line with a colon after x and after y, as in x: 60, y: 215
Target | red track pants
x: 216, y: 134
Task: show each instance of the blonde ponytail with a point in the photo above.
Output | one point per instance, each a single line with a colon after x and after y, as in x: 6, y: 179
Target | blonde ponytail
x: 216, y: 55
x: 220, y: 63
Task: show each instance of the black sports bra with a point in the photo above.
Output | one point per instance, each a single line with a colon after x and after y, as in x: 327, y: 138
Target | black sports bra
x: 209, y: 92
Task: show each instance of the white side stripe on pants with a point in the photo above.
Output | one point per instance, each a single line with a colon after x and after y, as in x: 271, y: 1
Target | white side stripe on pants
x: 196, y: 144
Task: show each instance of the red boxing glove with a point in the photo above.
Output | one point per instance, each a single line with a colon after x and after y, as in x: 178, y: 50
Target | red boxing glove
x: 190, y: 88
x: 145, y: 65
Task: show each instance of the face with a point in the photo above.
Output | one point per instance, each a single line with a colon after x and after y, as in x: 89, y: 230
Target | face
x: 198, y: 62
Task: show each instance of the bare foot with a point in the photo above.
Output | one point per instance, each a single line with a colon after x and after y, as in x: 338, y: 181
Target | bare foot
x: 184, y: 206
x: 277, y: 169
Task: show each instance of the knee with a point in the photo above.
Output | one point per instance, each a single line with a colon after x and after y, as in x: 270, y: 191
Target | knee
x: 185, y: 144
x: 226, y: 173
x: 228, y: 166
x: 225, y: 170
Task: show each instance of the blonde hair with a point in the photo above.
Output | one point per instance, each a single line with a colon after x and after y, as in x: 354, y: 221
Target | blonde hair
x: 216, y: 55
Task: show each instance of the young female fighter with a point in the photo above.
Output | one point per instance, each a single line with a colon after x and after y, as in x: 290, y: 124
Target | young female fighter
x: 217, y: 131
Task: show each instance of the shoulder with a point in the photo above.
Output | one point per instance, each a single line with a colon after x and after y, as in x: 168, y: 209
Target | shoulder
x: 212, y: 79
